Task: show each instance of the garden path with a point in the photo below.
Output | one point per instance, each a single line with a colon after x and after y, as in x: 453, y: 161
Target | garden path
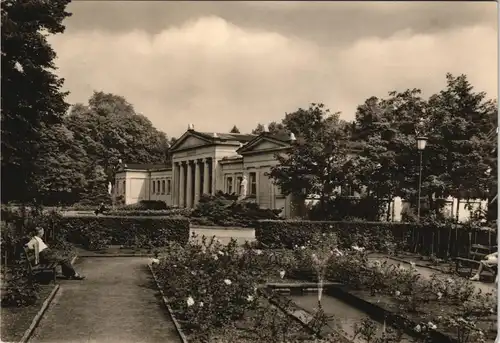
x: 118, y: 302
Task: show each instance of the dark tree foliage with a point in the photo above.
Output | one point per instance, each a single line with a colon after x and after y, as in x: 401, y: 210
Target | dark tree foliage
x: 31, y: 93
x: 235, y: 130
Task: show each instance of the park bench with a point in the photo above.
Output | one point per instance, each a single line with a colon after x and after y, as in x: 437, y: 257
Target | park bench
x: 475, y: 255
x: 34, y: 265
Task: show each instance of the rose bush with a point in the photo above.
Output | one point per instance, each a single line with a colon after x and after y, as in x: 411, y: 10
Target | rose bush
x: 213, y: 288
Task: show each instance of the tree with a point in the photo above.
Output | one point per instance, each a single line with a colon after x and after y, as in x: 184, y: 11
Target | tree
x: 60, y: 167
x: 461, y: 160
x: 273, y: 128
x: 32, y: 96
x: 317, y: 163
x: 234, y: 130
x: 456, y: 122
x: 109, y: 129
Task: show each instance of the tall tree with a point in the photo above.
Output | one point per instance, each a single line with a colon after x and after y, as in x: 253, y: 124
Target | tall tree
x: 317, y: 162
x: 235, y: 130
x: 109, y: 130
x: 457, y: 157
x: 31, y: 96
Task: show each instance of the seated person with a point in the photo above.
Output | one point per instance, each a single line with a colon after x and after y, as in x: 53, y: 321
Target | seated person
x: 489, y: 261
x: 48, y: 255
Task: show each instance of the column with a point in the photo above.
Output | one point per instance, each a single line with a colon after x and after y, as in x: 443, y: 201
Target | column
x: 197, y: 180
x: 214, y: 175
x: 181, y: 184
x: 189, y: 185
x: 206, y: 181
x: 174, y: 183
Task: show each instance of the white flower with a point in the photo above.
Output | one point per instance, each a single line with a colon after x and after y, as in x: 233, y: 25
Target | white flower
x: 258, y: 252
x: 154, y: 261
x: 337, y: 252
x: 295, y: 246
x: 302, y: 247
x: 431, y: 326
x: 19, y: 67
x: 357, y: 248
x: 227, y: 282
x: 439, y: 295
x: 201, y: 304
x: 397, y: 293
x: 175, y: 266
x: 418, y: 328
x: 250, y: 298
x: 282, y: 274
x: 221, y: 253
x: 193, y: 272
x: 449, y: 280
x: 215, y: 257
x: 190, y: 301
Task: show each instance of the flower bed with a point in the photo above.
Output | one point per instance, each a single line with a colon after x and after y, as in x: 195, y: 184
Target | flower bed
x: 213, y: 290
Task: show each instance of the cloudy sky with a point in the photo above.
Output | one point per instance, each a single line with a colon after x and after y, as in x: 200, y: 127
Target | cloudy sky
x: 215, y: 64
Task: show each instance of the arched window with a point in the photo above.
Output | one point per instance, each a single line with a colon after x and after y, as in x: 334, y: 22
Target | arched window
x: 154, y: 187
x: 158, y: 186
x: 162, y: 186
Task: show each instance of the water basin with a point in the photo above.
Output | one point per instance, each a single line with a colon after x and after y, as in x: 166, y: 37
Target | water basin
x: 345, y: 316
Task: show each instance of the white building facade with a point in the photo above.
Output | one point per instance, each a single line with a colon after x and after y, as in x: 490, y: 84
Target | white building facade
x: 205, y: 163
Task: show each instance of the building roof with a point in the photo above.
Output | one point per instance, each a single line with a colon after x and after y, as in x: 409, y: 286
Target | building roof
x: 239, y: 137
x: 146, y: 166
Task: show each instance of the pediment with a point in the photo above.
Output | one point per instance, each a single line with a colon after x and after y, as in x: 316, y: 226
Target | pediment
x: 189, y: 140
x: 262, y: 144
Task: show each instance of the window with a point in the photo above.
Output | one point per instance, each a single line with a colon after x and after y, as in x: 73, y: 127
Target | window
x: 154, y: 187
x: 278, y: 191
x: 168, y: 186
x: 158, y: 186
x: 253, y: 183
x: 123, y: 190
x: 162, y: 186
x: 229, y: 185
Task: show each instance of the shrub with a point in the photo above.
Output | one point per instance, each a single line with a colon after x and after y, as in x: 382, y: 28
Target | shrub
x: 152, y: 205
x: 97, y: 232
x: 220, y: 210
x: 380, y: 236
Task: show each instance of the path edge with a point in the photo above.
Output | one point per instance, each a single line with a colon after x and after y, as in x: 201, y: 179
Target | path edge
x: 169, y: 309
x: 39, y: 315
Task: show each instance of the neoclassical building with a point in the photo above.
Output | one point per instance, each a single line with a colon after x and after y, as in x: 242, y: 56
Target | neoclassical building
x: 207, y: 162
x: 204, y: 163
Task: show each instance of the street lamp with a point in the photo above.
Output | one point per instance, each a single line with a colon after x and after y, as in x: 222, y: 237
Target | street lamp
x: 421, y: 143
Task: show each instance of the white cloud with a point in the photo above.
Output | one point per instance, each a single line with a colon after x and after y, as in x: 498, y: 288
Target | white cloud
x: 215, y: 74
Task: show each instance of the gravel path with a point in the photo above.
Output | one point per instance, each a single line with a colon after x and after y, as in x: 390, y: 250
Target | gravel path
x: 118, y: 302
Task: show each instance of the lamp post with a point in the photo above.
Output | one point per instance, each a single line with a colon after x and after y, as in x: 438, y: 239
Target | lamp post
x: 421, y: 143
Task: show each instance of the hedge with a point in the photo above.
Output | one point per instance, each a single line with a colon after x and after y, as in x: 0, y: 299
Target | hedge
x: 440, y: 240
x: 97, y: 232
x: 290, y: 233
x: 184, y: 212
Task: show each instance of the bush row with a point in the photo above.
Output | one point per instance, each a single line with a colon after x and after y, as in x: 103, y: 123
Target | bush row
x: 291, y: 233
x: 97, y: 232
x: 184, y: 212
x: 428, y: 238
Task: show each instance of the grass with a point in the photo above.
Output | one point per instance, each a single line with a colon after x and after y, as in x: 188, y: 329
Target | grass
x: 16, y: 320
